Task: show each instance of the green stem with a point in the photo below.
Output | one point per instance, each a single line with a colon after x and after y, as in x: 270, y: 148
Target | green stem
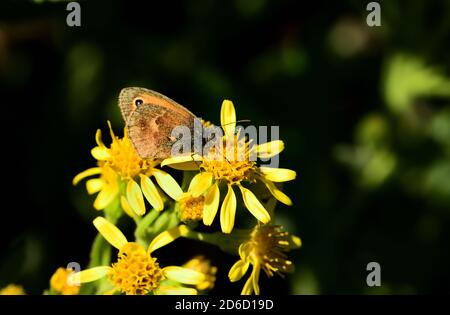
x: 228, y: 243
x: 142, y: 225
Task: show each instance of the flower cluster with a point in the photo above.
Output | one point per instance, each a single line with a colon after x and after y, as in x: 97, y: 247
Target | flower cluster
x: 221, y: 182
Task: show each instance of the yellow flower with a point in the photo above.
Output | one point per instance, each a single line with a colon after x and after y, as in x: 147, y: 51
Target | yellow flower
x: 12, y: 289
x: 233, y: 166
x: 120, y: 163
x: 59, y: 282
x: 201, y: 264
x: 136, y: 271
x: 190, y: 207
x: 264, y: 250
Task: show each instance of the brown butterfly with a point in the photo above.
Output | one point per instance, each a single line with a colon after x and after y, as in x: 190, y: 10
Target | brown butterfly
x: 150, y: 118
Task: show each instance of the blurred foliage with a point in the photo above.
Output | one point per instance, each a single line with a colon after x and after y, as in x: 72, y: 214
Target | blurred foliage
x: 364, y: 113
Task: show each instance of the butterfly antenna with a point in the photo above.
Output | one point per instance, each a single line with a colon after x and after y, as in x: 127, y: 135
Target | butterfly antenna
x: 238, y: 121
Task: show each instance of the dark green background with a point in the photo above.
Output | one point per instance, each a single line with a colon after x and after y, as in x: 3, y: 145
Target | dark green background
x: 314, y: 69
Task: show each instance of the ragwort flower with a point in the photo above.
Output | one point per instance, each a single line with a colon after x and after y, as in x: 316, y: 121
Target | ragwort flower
x: 136, y: 272
x: 120, y: 163
x: 264, y: 250
x: 203, y: 265
x: 232, y: 165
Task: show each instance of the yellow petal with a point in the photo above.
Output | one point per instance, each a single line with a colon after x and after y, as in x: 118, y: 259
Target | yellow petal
x: 167, y: 237
x: 86, y: 173
x: 254, y: 206
x: 183, y: 162
x: 110, y: 232
x: 248, y: 286
x: 100, y: 153
x: 111, y: 132
x: 211, y: 205
x: 106, y: 196
x: 94, y: 185
x: 278, y: 194
x: 168, y: 184
x: 135, y: 198
x: 174, y: 290
x: 151, y: 193
x: 278, y: 174
x: 228, y: 117
x: 98, y: 138
x: 228, y: 211
x: 238, y: 270
x: 183, y: 275
x: 295, y: 242
x: 200, y: 183
x: 126, y: 206
x: 255, y: 276
x: 270, y: 149
x: 89, y: 275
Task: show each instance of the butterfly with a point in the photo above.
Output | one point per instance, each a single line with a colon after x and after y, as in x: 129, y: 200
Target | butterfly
x: 150, y: 118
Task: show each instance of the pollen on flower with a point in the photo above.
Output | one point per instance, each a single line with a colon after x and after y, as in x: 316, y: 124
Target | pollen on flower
x: 123, y: 158
x: 267, y: 246
x: 135, y: 272
x: 230, y: 162
x: 191, y: 208
x: 59, y: 282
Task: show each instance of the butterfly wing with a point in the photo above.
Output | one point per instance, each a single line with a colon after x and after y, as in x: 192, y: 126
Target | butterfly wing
x: 128, y: 95
x: 150, y: 128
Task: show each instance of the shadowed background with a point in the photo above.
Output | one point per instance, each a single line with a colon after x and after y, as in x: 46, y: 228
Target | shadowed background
x: 364, y: 113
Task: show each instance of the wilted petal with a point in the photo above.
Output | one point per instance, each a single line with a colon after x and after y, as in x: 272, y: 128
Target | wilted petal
x: 254, y: 206
x: 228, y: 211
x: 211, y: 205
x: 168, y: 184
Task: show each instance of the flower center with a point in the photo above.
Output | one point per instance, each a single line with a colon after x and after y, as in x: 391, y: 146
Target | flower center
x: 230, y: 162
x: 124, y: 159
x: 135, y: 272
x: 191, y: 208
x: 267, y: 246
